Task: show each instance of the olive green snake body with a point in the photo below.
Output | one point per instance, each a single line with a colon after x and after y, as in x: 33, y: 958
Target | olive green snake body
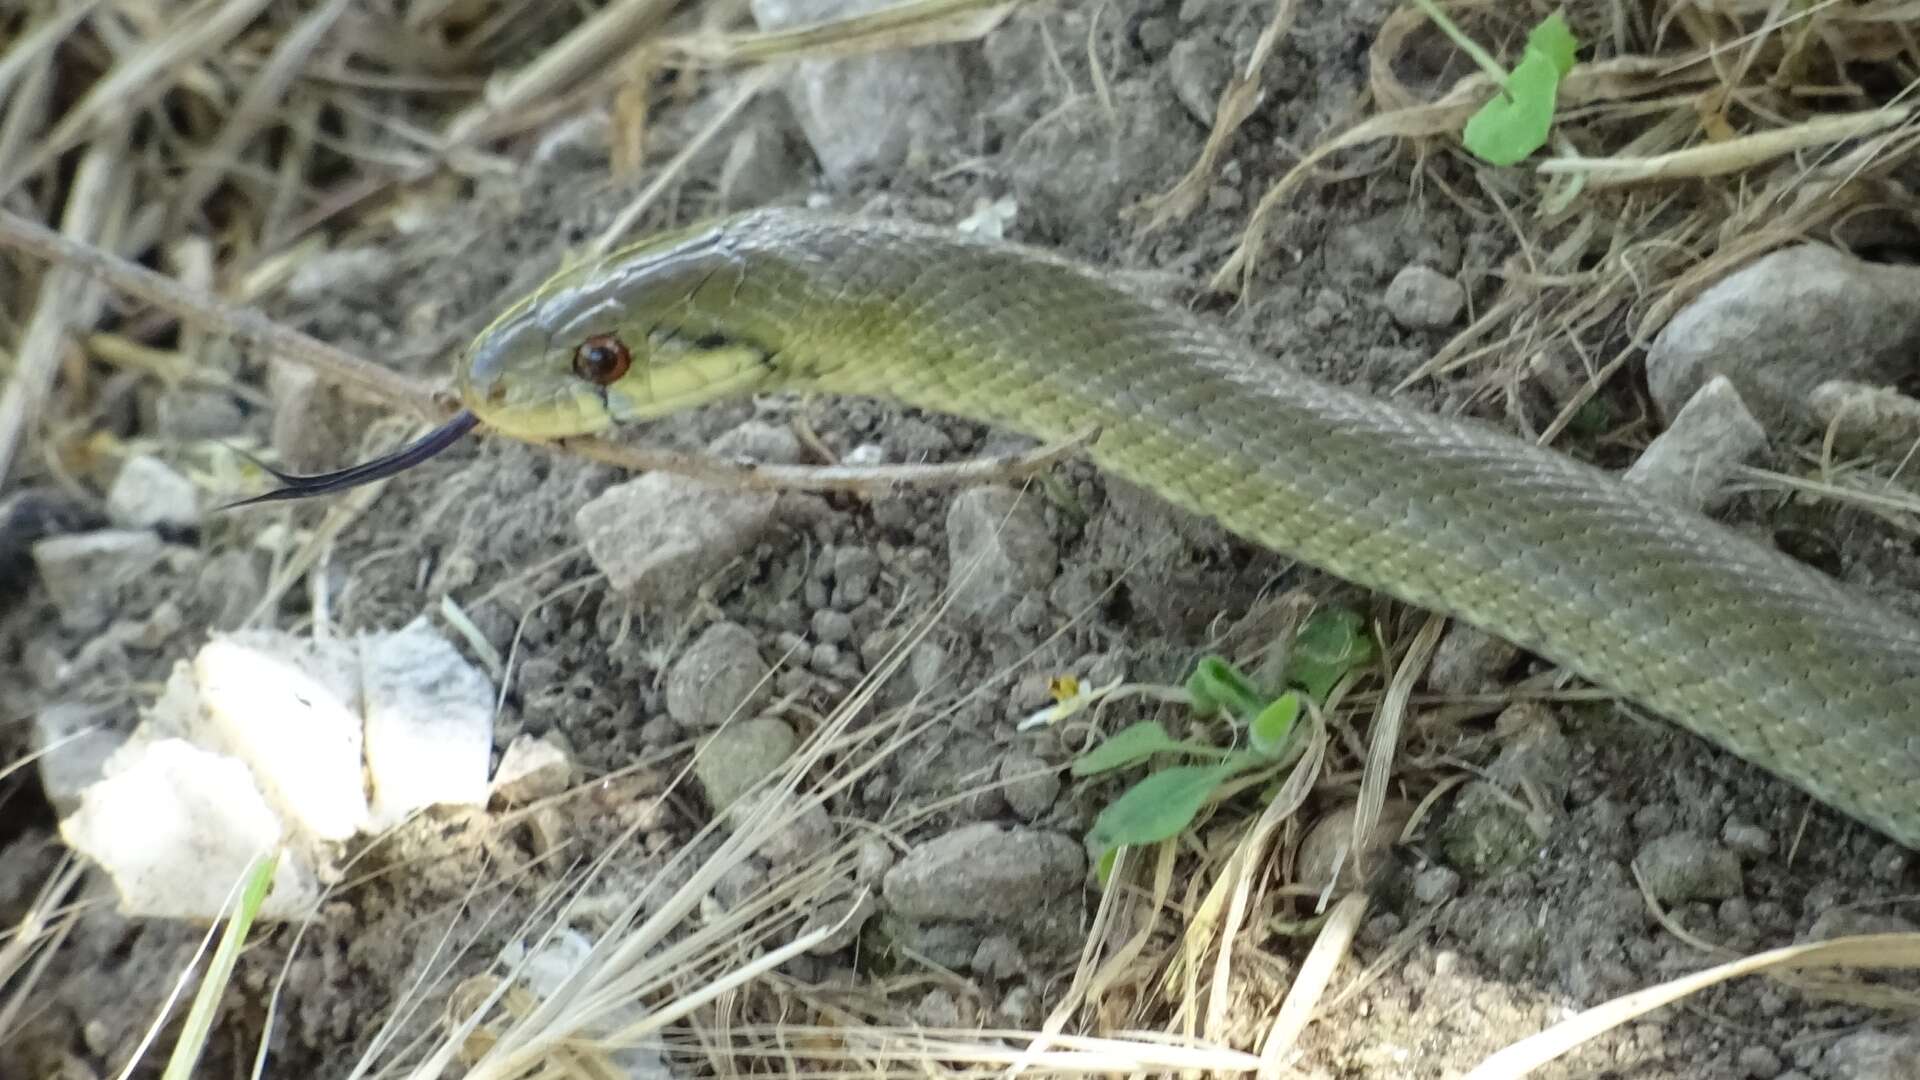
x: 1729, y: 638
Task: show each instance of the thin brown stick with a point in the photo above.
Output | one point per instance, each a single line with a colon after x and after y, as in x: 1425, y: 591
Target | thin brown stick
x: 382, y: 386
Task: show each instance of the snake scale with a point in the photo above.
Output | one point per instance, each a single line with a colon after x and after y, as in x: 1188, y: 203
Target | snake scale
x: 1725, y: 636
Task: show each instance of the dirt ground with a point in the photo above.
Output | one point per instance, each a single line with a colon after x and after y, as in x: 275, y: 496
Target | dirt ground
x: 1473, y: 957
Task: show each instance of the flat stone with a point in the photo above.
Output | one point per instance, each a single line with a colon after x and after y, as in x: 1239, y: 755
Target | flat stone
x: 530, y: 770
x: 981, y: 872
x: 86, y: 572
x: 1690, y: 463
x: 147, y: 492
x: 1422, y: 298
x: 660, y: 537
x: 999, y: 550
x: 721, y: 675
x: 1685, y: 866
x: 739, y: 756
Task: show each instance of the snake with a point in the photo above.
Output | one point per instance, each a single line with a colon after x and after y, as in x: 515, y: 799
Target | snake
x: 1653, y: 602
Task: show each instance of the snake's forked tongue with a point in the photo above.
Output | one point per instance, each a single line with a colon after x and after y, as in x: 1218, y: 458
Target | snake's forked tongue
x: 306, y: 487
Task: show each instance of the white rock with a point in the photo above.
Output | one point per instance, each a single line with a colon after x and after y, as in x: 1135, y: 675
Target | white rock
x: 1690, y: 462
x: 285, y: 707
x: 147, y: 492
x: 531, y: 769
x: 429, y: 723
x: 176, y: 828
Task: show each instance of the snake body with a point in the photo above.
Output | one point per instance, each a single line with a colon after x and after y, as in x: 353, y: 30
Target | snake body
x: 1727, y: 637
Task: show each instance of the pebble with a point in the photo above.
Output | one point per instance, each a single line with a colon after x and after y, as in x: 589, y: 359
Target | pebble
x: 659, y: 538
x: 875, y: 112
x: 1874, y: 1055
x: 1785, y: 323
x: 85, y: 573
x: 999, y: 550
x: 720, y: 675
x: 1422, y: 298
x: 147, y: 492
x: 1690, y: 462
x: 28, y: 517
x: 1198, y: 69
x: 759, y: 441
x: 428, y: 720
x: 71, y: 744
x: 1747, y: 838
x: 759, y: 167
x: 1075, y: 170
x: 1029, y: 784
x: 981, y: 872
x: 1683, y: 866
x: 832, y: 627
x: 1328, y: 846
x: 999, y: 957
x: 873, y: 857
x: 1758, y: 1062
x: 1469, y: 661
x: 531, y: 769
x: 847, y: 914
x: 1436, y: 883
x: 855, y: 570
x: 740, y: 755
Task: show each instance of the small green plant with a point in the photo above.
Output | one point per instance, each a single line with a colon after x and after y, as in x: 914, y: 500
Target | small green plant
x: 1516, y: 122
x: 1165, y: 802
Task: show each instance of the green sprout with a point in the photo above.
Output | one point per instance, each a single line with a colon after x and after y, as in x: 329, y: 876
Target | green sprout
x: 1330, y: 645
x: 1516, y: 122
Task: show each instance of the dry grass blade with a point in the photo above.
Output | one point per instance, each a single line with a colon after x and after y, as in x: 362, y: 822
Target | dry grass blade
x: 1316, y: 971
x: 193, y: 35
x: 1731, y: 156
x: 1870, y: 951
x: 1237, y: 102
x: 900, y: 26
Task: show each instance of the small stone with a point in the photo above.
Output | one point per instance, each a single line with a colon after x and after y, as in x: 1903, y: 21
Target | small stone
x: 979, y: 872
x: 875, y: 112
x: 1328, y: 848
x: 1020, y: 1010
x: 1028, y: 784
x: 855, y: 569
x: 848, y: 915
x: 531, y: 769
x: 832, y: 627
x: 1422, y: 298
x: 1874, y: 1055
x: 1198, y: 69
x: 1469, y: 661
x: 759, y: 441
x: 938, y: 1010
x: 147, y: 492
x: 1436, y: 883
x: 1757, y: 1062
x: 192, y: 414
x: 1485, y: 832
x: 1685, y: 866
x: 1747, y: 838
x: 1784, y: 324
x: 1078, y: 167
x: 659, y: 731
x: 1690, y: 462
x: 71, y: 744
x: 660, y: 537
x: 801, y: 835
x: 28, y: 517
x: 740, y: 755
x: 999, y: 957
x: 1861, y: 417
x: 760, y: 167
x: 428, y: 717
x: 999, y: 550
x: 1852, y: 922
x: 872, y: 860
x: 720, y: 675
x: 85, y: 573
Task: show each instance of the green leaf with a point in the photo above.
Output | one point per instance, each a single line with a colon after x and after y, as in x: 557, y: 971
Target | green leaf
x: 1515, y: 124
x: 1160, y: 806
x: 1333, y: 642
x: 1216, y: 685
x: 1555, y: 38
x: 1136, y: 743
x: 1270, y: 729
x: 1104, y: 868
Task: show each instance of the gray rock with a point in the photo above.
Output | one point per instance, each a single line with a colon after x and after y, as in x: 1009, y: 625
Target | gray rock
x: 1436, y: 883
x: 847, y: 914
x: 999, y: 957
x: 1684, y: 866
x: 72, y: 743
x: 803, y: 833
x: 757, y: 440
x: 1486, y: 831
x: 855, y: 569
x: 873, y: 112
x: 1328, y: 848
x: 1029, y: 784
x: 1688, y: 465
x: 872, y: 860
x: 660, y: 537
x: 1198, y: 69
x: 532, y: 769
x: 1852, y: 922
x: 1785, y: 324
x: 832, y: 627
x: 85, y: 573
x: 1422, y: 298
x: 1875, y: 418
x: 1747, y: 838
x: 1874, y: 1055
x: 147, y: 492
x: 1469, y: 661
x: 1534, y: 752
x: 979, y: 872
x: 720, y: 675
x: 1757, y: 1062
x: 760, y: 166
x: 998, y: 551
x: 938, y: 1010
x: 739, y: 756
x: 1081, y: 164
x: 190, y: 413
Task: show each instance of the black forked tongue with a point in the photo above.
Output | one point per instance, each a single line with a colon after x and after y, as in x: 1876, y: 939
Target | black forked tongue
x: 306, y: 487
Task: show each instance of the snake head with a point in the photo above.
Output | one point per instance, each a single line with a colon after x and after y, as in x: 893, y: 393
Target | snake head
x: 638, y: 334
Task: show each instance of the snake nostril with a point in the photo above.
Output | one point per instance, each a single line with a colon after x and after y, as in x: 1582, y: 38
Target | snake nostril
x: 497, y: 392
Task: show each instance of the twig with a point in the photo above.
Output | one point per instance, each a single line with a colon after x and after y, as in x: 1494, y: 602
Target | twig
x: 394, y: 390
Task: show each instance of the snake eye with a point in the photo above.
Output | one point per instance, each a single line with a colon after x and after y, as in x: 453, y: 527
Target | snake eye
x: 602, y: 359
